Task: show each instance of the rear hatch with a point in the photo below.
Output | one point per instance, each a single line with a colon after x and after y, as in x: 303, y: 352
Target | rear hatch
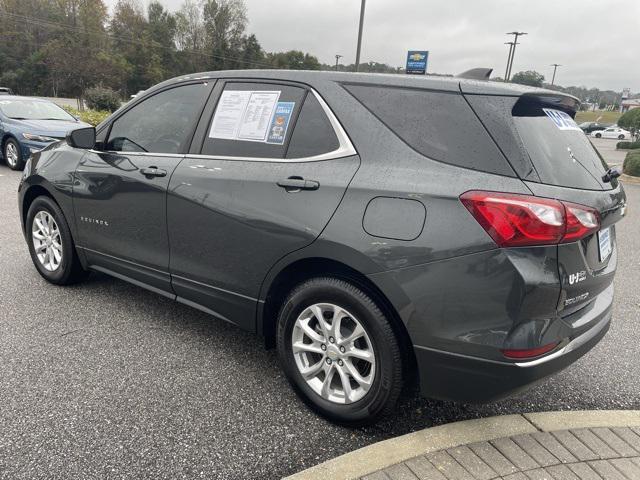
x: 555, y: 159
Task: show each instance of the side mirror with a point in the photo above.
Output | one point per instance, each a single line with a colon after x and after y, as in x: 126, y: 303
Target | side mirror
x: 84, y: 138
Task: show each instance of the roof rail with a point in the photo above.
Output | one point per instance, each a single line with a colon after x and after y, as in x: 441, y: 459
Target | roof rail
x: 476, y: 74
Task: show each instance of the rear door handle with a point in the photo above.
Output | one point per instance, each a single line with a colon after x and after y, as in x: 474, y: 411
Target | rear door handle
x: 295, y: 184
x: 153, y: 172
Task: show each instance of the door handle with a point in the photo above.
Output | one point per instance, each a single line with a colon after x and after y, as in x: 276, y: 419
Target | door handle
x: 295, y: 184
x: 153, y: 172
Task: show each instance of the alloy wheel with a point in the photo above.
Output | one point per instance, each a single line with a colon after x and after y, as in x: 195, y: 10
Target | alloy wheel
x: 47, y: 242
x: 11, y: 154
x: 333, y: 353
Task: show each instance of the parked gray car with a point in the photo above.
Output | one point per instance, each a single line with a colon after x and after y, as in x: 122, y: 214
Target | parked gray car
x: 377, y: 230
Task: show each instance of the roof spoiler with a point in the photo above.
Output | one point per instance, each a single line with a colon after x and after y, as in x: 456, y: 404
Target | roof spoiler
x: 558, y: 100
x: 476, y: 74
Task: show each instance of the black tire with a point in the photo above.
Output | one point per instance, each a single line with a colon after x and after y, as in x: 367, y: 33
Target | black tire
x: 621, y: 137
x: 70, y: 269
x: 387, y: 383
x: 598, y: 135
x: 18, y: 164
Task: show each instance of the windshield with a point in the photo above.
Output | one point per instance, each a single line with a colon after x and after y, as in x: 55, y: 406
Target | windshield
x: 33, y: 110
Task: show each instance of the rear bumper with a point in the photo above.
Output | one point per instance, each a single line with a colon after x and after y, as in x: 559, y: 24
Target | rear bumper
x: 461, y: 378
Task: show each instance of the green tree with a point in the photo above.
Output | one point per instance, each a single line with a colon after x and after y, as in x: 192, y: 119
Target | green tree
x: 631, y: 121
x: 128, y: 30
x: 294, y: 60
x: 252, y: 54
x: 190, y: 37
x: 224, y: 24
x: 530, y: 77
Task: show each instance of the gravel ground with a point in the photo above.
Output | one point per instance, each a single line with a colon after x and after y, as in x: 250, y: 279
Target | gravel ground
x: 106, y: 380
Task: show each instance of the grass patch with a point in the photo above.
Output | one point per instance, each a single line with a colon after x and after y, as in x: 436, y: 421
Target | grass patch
x: 92, y: 117
x: 607, y: 117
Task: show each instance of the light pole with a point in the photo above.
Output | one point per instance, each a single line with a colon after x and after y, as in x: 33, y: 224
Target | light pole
x: 338, y: 57
x: 555, y: 67
x: 513, y: 51
x: 508, y: 59
x: 362, y: 6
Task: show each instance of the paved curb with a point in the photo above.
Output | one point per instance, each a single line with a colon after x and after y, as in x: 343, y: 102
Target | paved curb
x: 629, y: 179
x: 383, y: 454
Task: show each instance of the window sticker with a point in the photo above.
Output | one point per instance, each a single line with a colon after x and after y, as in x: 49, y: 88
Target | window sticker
x: 244, y: 115
x: 280, y: 122
x: 561, y: 119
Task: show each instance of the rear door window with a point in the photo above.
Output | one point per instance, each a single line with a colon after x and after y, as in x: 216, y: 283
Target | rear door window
x: 253, y: 120
x: 559, y: 150
x: 438, y: 125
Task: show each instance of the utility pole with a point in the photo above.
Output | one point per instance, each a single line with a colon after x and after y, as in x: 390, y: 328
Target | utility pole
x: 555, y: 67
x: 362, y: 6
x: 513, y: 51
x: 506, y: 72
x: 338, y: 57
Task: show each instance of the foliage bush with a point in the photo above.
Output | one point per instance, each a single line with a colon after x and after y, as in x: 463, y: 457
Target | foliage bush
x: 630, y: 119
x: 92, y: 117
x: 101, y: 98
x: 628, y: 145
x: 631, y: 164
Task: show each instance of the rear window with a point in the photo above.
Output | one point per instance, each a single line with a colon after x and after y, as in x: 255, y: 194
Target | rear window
x: 559, y: 150
x: 438, y: 125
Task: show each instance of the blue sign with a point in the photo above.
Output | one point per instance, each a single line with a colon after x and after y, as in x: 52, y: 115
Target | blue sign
x: 417, y: 62
x: 280, y: 122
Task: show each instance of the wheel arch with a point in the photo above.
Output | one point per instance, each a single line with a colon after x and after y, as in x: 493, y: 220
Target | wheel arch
x: 301, y: 269
x: 33, y: 192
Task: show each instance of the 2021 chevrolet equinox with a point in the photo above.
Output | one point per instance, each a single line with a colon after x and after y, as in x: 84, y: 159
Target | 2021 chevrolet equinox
x: 375, y: 229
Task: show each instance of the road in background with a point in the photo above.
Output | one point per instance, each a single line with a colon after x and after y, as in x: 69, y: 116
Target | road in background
x: 107, y: 380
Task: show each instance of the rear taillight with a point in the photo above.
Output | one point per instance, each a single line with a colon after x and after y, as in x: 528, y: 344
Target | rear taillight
x: 514, y: 220
x: 581, y: 222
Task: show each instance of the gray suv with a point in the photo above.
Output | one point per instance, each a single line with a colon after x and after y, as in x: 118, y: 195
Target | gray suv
x: 378, y: 230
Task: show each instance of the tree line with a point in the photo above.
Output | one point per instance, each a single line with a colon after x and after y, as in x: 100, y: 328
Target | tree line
x: 64, y: 47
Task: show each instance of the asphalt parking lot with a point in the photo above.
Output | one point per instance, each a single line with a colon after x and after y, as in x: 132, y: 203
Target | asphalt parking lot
x: 607, y: 147
x: 106, y: 380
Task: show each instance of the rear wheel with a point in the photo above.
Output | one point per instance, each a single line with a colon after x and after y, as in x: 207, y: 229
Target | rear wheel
x: 12, y: 154
x: 50, y: 244
x: 339, y: 351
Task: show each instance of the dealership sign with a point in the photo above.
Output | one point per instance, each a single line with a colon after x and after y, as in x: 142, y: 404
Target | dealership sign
x: 417, y: 62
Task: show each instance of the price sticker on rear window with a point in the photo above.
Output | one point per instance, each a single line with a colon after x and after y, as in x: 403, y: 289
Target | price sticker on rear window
x: 561, y: 119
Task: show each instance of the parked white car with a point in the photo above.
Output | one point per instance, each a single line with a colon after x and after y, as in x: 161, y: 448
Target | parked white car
x: 612, y: 132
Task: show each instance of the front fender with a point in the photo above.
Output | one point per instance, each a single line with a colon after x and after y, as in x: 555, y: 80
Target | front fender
x: 51, y: 172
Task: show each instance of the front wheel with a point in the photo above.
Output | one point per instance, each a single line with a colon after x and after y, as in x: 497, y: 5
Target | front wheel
x: 598, y: 135
x: 13, y: 154
x: 50, y: 244
x: 621, y: 137
x: 339, y: 351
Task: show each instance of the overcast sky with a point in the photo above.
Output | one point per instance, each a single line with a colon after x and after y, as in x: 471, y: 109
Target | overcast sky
x: 596, y: 41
